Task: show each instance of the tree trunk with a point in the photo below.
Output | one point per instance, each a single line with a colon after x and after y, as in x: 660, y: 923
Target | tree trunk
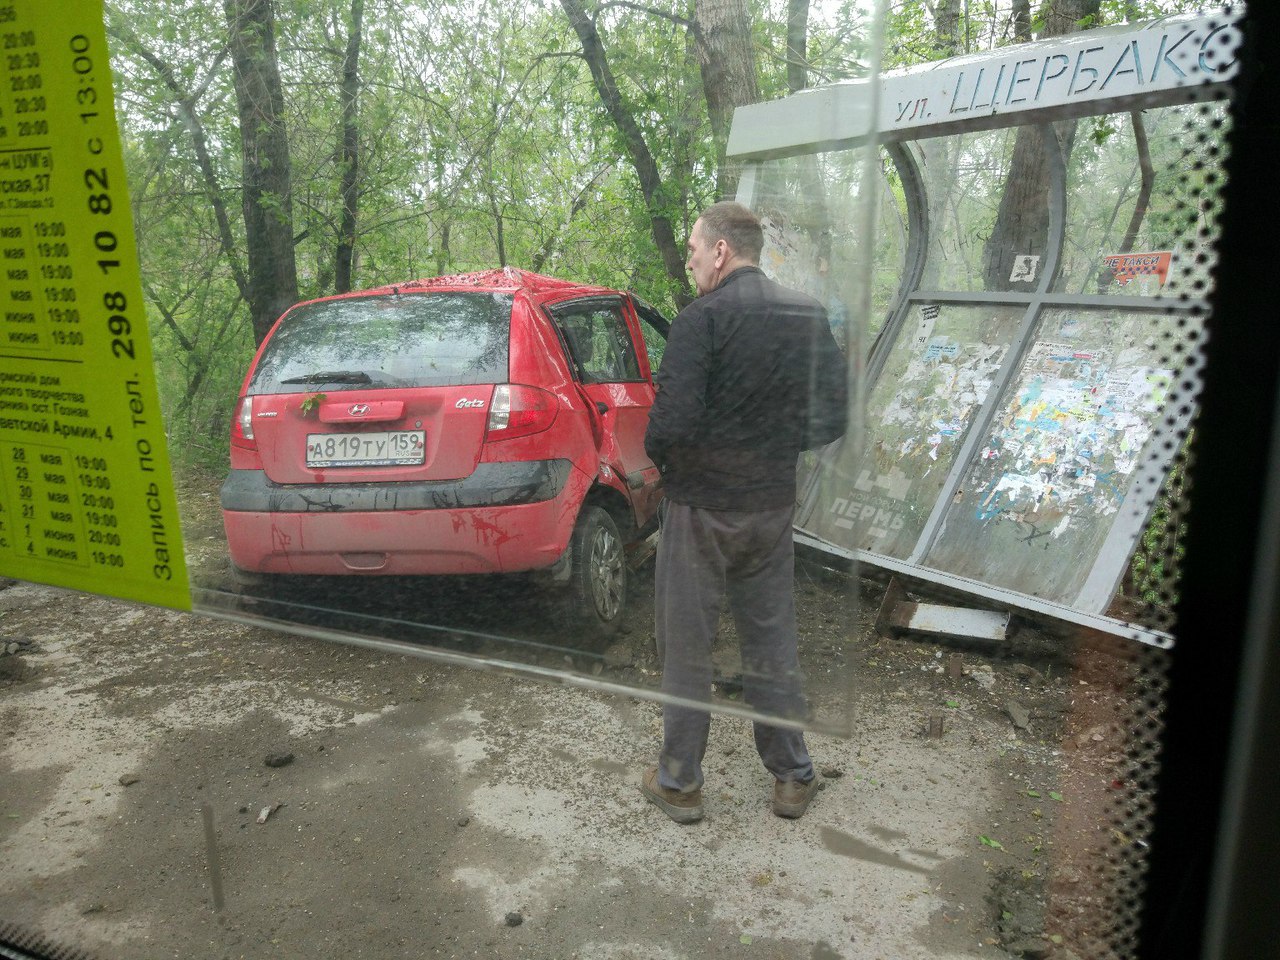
x: 268, y: 204
x: 815, y: 214
x: 946, y: 27
x: 651, y: 186
x: 444, y: 255
x: 1021, y: 228
x: 547, y: 253
x: 684, y: 130
x: 797, y: 45
x: 1021, y: 14
x: 499, y: 230
x: 1022, y: 221
x: 349, y: 162
x: 1148, y: 179
x: 728, y: 63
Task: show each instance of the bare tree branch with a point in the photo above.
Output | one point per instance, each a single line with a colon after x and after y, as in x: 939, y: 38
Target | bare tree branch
x: 651, y: 11
x: 1144, y: 188
x: 624, y: 120
x: 167, y: 315
x: 579, y: 203
x: 185, y: 109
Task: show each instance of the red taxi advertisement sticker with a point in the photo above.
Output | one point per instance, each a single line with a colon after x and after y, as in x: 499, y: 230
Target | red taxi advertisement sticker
x: 1125, y: 266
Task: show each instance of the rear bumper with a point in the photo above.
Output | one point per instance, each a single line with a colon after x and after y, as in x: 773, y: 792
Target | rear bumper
x: 489, y: 485
x: 506, y: 517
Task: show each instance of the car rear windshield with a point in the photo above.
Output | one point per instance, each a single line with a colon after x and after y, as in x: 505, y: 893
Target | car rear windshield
x: 410, y: 340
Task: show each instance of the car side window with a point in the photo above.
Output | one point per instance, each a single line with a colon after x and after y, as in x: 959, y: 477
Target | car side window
x: 599, y: 342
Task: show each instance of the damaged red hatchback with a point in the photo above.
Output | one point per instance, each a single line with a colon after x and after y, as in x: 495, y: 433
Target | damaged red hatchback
x: 484, y: 423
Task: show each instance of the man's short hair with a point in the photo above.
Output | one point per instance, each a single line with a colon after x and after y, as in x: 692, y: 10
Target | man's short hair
x: 735, y: 225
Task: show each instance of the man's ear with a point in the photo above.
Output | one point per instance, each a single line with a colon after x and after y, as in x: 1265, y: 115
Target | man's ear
x: 722, y: 253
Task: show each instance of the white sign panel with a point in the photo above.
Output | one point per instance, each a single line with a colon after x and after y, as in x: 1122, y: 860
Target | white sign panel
x: 1086, y: 66
x: 1140, y: 65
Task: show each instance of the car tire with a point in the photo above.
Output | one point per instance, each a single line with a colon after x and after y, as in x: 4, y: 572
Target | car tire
x: 598, y: 579
x: 250, y: 582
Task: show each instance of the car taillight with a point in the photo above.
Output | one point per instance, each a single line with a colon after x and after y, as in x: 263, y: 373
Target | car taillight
x: 518, y: 411
x: 242, y: 425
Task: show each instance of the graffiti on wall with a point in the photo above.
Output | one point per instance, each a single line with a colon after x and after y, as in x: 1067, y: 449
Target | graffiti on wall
x: 943, y: 384
x: 1065, y: 446
x: 917, y: 417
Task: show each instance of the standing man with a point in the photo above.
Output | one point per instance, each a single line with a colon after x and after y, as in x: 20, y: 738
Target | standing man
x: 750, y: 377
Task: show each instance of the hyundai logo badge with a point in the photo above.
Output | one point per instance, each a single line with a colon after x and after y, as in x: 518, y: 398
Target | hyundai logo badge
x: 358, y: 409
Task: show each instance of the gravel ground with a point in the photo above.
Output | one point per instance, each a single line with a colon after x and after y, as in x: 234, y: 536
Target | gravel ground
x: 367, y: 802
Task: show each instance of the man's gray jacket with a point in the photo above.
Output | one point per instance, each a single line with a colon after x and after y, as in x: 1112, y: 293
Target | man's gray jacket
x: 750, y: 377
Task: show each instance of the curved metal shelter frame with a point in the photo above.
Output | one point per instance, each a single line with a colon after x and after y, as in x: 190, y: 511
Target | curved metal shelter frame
x: 1024, y: 405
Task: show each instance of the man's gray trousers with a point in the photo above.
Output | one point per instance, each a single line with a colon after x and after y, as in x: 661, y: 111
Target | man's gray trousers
x: 750, y: 554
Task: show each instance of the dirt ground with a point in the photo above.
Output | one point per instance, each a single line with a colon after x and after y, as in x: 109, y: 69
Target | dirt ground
x: 212, y: 786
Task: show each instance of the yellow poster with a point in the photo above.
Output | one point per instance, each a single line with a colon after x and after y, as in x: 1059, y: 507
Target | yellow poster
x: 86, y: 494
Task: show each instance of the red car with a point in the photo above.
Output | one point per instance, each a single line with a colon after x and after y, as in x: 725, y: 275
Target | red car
x: 484, y: 423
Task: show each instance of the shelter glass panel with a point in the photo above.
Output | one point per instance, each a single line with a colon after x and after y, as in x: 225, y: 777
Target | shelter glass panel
x: 813, y: 226
x: 813, y: 211
x: 988, y: 228
x: 1140, y: 214
x: 1049, y: 483
x: 937, y: 377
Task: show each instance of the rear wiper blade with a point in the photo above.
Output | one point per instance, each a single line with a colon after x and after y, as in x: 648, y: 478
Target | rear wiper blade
x: 332, y: 376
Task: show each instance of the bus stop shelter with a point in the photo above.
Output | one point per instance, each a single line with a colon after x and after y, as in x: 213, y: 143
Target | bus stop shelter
x: 1030, y: 233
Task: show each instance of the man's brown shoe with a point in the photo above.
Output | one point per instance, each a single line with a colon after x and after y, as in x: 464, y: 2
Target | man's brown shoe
x: 791, y: 797
x: 680, y: 807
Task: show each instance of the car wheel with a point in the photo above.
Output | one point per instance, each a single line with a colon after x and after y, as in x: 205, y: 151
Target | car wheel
x: 599, y: 577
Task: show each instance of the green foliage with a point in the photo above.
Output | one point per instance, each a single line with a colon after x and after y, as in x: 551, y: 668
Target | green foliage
x: 1128, y: 11
x: 1103, y: 128
x: 311, y: 403
x: 1154, y: 569
x: 481, y: 140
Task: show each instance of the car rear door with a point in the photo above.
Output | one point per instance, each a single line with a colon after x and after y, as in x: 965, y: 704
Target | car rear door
x: 602, y: 337
x: 379, y: 388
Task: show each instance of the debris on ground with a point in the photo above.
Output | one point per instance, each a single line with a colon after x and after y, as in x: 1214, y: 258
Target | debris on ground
x: 1018, y: 714
x: 267, y: 811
